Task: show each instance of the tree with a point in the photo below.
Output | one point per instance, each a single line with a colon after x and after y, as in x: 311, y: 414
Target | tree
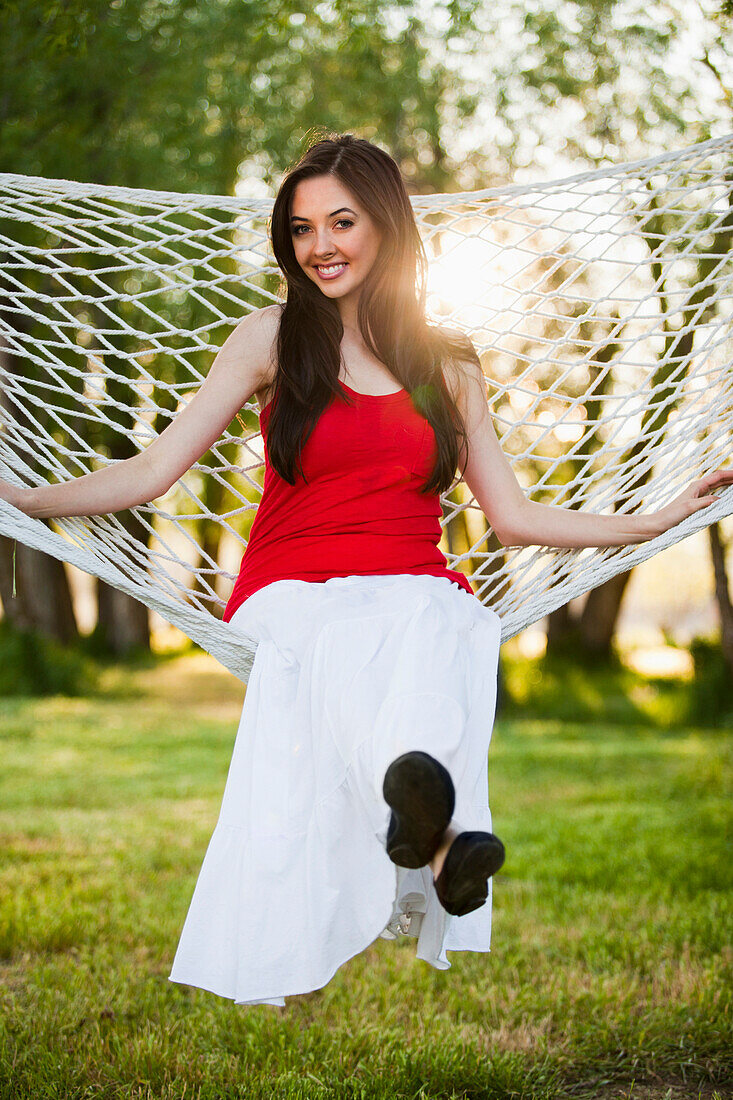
x: 598, y: 82
x: 180, y: 96
x: 718, y: 548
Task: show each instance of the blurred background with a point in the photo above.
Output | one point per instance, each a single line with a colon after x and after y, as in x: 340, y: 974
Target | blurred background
x: 221, y: 97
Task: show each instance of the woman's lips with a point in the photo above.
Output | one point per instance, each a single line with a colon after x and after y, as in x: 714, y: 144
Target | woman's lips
x: 328, y: 274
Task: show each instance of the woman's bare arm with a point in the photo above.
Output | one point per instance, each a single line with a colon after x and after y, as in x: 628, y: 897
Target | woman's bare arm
x: 241, y: 367
x: 517, y: 521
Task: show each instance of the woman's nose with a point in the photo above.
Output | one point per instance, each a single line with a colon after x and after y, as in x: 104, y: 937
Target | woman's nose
x: 324, y: 244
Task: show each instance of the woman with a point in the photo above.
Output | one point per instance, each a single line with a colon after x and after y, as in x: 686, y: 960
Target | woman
x: 356, y: 802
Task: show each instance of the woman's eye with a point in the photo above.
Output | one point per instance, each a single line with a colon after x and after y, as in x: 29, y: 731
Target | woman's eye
x: 342, y: 221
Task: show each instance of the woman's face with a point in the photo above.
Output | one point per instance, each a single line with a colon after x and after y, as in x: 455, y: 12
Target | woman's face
x: 334, y: 239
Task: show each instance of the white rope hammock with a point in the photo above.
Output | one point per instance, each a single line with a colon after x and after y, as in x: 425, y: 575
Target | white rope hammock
x: 600, y: 304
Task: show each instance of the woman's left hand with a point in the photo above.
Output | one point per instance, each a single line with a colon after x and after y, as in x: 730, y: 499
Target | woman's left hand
x: 695, y: 497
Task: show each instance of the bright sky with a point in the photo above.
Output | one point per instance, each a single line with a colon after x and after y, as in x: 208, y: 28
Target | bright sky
x: 542, y: 154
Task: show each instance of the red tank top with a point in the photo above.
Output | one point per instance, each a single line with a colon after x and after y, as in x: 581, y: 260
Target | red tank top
x: 360, y: 512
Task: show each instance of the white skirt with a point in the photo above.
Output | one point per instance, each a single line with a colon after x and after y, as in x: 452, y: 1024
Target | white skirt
x: 349, y: 673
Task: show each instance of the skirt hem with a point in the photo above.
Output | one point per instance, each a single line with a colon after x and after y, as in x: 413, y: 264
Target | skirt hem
x: 270, y: 998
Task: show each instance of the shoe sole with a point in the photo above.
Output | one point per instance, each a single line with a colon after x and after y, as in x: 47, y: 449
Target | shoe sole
x: 420, y: 793
x: 463, y: 882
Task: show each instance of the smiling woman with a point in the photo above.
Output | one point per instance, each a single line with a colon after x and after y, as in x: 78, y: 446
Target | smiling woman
x: 356, y: 803
x: 333, y: 246
x: 345, y: 237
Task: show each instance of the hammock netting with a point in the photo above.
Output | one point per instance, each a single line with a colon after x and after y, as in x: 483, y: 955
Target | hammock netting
x: 600, y: 306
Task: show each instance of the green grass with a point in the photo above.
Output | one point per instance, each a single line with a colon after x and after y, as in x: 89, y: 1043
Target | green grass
x: 610, y: 970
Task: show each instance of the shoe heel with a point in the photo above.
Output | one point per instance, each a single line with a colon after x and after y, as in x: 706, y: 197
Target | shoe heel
x: 420, y: 793
x: 463, y: 882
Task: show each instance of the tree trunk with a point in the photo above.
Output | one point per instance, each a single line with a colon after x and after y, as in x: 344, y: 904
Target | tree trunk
x: 600, y: 614
x: 560, y: 627
x: 593, y: 630
x: 722, y: 593
x: 43, y: 597
x: 210, y: 546
x: 122, y: 622
x: 42, y: 601
x: 15, y: 607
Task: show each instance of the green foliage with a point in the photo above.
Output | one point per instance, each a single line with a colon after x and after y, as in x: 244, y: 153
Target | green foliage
x: 711, y: 692
x: 566, y: 686
x: 32, y: 664
x: 624, y: 77
x: 177, y: 96
x: 97, y: 647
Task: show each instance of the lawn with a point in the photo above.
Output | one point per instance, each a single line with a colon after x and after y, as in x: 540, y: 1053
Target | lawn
x: 610, y: 970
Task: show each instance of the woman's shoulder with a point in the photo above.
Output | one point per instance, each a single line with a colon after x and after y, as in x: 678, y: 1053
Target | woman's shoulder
x: 257, y: 334
x: 457, y: 343
x: 459, y: 358
x: 261, y: 323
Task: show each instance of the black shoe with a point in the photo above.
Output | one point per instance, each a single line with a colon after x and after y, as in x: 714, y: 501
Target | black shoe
x: 463, y: 882
x: 421, y: 794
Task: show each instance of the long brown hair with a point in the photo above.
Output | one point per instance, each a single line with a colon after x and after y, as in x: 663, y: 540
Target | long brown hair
x: 391, y: 314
